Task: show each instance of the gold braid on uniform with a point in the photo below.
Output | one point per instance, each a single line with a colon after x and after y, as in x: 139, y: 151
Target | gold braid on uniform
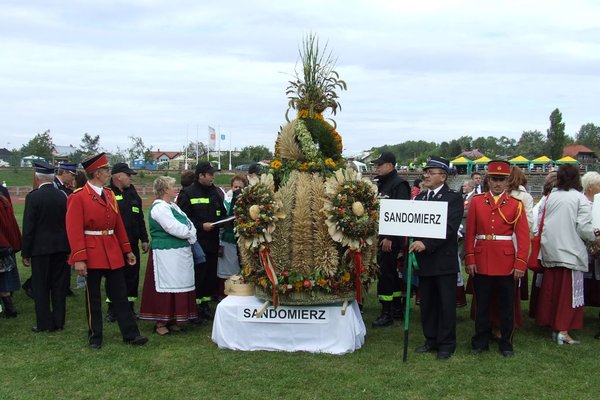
x: 519, y: 211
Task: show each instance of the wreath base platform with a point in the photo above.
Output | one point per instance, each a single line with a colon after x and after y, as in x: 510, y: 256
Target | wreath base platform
x: 306, y: 298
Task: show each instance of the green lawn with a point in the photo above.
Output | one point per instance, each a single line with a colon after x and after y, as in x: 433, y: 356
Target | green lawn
x: 189, y: 365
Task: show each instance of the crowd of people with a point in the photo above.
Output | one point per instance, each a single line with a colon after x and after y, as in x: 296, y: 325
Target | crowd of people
x: 93, y: 223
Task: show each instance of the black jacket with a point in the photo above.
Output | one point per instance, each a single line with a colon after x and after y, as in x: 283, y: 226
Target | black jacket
x: 44, y: 229
x: 392, y: 186
x: 58, y: 184
x: 130, y: 208
x: 203, y: 204
x: 441, y: 255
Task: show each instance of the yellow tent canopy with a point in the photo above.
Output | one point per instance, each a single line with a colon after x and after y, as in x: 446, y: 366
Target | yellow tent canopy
x: 461, y: 160
x: 482, y: 160
x: 518, y: 160
x: 541, y: 160
x: 567, y: 160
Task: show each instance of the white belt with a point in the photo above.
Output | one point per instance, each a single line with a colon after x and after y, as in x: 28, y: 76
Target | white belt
x: 492, y: 237
x: 99, y: 233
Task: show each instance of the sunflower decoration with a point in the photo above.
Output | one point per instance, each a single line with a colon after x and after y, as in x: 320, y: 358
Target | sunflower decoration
x: 351, y: 209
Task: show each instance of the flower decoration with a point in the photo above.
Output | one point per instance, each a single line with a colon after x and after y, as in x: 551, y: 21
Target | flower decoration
x: 256, y: 212
x: 351, y: 209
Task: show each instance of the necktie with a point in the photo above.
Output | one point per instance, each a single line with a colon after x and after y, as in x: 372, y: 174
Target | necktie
x: 429, y: 195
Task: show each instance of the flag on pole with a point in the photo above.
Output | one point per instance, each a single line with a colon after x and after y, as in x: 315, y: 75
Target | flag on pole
x: 212, y: 138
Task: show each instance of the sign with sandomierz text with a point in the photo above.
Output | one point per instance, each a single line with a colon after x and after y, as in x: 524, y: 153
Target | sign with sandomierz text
x: 285, y: 315
x: 424, y: 219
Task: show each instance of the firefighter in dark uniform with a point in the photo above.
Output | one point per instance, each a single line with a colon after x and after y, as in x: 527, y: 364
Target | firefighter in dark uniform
x: 390, y: 186
x: 491, y: 257
x: 65, y: 174
x: 98, y: 241
x: 438, y: 265
x: 46, y: 248
x: 203, y: 203
x: 130, y: 206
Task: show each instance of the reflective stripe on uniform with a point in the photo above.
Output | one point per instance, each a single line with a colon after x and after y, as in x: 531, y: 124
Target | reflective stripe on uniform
x: 200, y: 200
x: 119, y: 197
x: 135, y: 210
x: 397, y: 294
x: 385, y: 298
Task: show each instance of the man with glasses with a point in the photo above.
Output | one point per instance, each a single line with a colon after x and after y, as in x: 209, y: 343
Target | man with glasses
x: 491, y: 258
x: 98, y: 241
x: 130, y: 207
x: 438, y: 265
x: 390, y: 186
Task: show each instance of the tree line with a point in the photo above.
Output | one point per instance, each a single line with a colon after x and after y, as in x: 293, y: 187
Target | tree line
x: 530, y: 145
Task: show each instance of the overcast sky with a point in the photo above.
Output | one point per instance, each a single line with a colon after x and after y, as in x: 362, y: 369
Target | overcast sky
x: 165, y: 70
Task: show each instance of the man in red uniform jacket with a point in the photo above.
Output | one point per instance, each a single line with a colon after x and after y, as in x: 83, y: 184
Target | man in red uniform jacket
x: 98, y: 241
x: 491, y: 258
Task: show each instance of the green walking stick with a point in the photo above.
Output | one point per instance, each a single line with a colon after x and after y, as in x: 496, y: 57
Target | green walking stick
x: 411, y: 264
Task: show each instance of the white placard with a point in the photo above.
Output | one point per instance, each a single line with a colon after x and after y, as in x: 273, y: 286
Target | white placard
x: 596, y: 211
x: 285, y: 315
x: 424, y: 219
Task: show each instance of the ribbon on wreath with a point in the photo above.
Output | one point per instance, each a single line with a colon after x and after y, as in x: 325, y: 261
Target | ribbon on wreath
x: 267, y: 262
x: 356, y: 257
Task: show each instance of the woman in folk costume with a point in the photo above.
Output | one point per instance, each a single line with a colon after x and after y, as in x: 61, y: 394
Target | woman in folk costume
x: 567, y: 224
x: 591, y: 280
x: 169, y: 292
x: 10, y: 243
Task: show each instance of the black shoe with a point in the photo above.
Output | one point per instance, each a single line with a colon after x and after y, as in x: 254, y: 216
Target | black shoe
x: 398, y: 313
x: 443, y: 355
x: 137, y: 341
x: 9, y: 307
x: 95, y: 346
x: 205, y: 312
x: 597, y: 335
x: 383, y: 320
x: 507, y: 353
x: 479, y: 350
x: 425, y: 349
x: 110, y: 316
x: 70, y: 293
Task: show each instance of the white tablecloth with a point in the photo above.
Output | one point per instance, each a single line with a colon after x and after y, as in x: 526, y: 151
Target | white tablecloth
x: 316, y: 329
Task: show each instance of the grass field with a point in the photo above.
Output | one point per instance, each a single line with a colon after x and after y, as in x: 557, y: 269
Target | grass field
x: 189, y: 365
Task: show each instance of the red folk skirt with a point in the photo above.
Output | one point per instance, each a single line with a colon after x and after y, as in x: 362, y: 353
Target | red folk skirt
x: 555, y: 301
x: 165, y: 307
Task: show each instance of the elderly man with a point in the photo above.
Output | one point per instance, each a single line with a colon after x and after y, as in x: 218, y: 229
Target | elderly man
x: 46, y: 248
x: 390, y: 186
x: 98, y: 241
x: 491, y: 258
x: 438, y: 265
x: 65, y: 174
x: 130, y: 207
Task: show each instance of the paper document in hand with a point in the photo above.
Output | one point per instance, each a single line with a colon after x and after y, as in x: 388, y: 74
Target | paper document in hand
x: 596, y: 211
x: 222, y: 221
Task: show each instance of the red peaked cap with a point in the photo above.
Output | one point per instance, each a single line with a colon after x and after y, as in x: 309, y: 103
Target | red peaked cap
x: 93, y: 163
x: 498, y: 167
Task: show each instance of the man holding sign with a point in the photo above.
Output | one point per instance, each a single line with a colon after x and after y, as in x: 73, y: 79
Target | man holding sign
x: 491, y: 258
x: 438, y: 265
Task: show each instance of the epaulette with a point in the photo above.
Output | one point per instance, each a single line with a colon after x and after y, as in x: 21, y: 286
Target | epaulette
x: 77, y: 190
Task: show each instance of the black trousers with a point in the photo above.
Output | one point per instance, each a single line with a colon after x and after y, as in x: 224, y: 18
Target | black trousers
x: 50, y: 275
x: 132, y: 276
x: 389, y: 283
x: 205, y: 277
x: 438, y: 311
x: 117, y: 292
x: 503, y: 287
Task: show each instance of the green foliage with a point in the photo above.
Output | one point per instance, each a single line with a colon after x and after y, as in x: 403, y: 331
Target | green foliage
x: 41, y: 145
x: 251, y: 154
x: 138, y: 150
x: 322, y: 135
x: 557, y: 139
x: 531, y: 144
x: 90, y: 145
x: 315, y: 86
x: 589, y: 135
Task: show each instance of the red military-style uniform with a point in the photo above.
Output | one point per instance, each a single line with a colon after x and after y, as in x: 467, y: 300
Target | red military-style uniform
x: 491, y: 219
x: 95, y: 229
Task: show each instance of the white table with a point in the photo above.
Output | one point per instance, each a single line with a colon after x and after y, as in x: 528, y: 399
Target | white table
x: 316, y: 329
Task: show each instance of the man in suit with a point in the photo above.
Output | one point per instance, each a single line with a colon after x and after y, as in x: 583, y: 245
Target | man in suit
x: 98, y: 241
x: 478, y: 182
x: 438, y: 265
x: 46, y: 248
x: 492, y: 259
